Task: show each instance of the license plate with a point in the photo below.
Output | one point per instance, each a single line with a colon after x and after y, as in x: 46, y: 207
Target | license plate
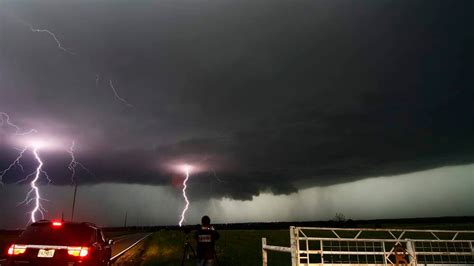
x: 44, y: 253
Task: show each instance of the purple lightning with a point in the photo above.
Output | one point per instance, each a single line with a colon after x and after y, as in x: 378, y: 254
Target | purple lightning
x: 33, y: 195
x: 35, y: 189
x: 36, y: 198
x: 5, y: 118
x: 118, y: 96
x: 187, y: 168
x: 16, y: 162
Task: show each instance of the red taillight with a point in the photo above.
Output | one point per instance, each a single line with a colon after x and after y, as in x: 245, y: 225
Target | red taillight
x: 57, y: 224
x: 16, y: 249
x: 10, y: 250
x: 84, y: 252
x: 78, y: 251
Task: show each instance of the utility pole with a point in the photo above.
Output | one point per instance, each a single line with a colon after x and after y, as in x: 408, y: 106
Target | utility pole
x: 125, y: 220
x: 73, y: 202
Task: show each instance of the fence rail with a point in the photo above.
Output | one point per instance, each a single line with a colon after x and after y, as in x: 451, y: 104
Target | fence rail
x: 373, y: 246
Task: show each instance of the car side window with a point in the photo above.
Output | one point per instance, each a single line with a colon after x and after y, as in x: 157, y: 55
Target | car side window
x: 94, y: 236
x: 102, y: 237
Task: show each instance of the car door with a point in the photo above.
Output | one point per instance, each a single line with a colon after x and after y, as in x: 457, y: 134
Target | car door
x: 97, y: 248
x: 107, y: 246
x: 101, y: 246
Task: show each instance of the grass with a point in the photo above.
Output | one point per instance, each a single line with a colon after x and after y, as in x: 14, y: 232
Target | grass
x: 244, y: 247
x: 163, y: 248
x: 235, y: 247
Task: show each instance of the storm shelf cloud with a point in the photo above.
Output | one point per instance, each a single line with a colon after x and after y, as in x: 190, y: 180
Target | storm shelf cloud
x: 269, y: 96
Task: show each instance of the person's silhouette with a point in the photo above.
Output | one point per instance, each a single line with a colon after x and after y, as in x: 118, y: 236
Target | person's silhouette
x: 206, y: 237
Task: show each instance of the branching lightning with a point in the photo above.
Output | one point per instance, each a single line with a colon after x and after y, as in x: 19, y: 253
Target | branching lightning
x: 61, y: 47
x: 33, y: 194
x: 35, y: 189
x: 50, y: 33
x: 117, y: 96
x: 216, y: 176
x: 5, y: 118
x: 74, y: 163
x: 16, y: 162
x: 183, y: 213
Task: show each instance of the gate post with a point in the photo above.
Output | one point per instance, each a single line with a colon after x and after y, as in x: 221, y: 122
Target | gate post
x: 264, y: 252
x: 294, y: 246
x: 411, y: 253
x: 472, y: 248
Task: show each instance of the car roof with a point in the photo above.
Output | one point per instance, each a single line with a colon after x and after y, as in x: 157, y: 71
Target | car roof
x: 41, y: 222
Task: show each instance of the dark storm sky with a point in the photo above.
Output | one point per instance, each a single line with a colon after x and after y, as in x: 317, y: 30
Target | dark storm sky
x: 266, y: 95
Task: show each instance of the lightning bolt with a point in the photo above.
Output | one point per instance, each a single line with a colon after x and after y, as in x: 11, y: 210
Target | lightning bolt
x: 35, y: 189
x: 16, y: 162
x: 216, y: 176
x: 50, y: 33
x: 117, y: 96
x: 61, y: 47
x: 74, y: 163
x: 205, y: 159
x: 5, y: 118
x: 185, y: 186
x: 33, y: 194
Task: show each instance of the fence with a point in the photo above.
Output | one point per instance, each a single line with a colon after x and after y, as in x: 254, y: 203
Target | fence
x: 343, y: 247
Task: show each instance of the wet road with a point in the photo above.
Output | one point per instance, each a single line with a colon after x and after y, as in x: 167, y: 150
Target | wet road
x: 124, y: 243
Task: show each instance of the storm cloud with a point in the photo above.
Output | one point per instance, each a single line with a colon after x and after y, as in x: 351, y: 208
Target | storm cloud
x: 267, y: 95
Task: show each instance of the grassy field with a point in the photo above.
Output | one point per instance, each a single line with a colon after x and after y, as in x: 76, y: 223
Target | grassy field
x: 235, y: 247
x: 240, y: 247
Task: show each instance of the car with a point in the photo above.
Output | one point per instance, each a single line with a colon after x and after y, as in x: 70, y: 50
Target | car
x: 60, y: 243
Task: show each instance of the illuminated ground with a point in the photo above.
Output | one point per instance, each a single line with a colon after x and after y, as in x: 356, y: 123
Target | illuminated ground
x: 236, y: 247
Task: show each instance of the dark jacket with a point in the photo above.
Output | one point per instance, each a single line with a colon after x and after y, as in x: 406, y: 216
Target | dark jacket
x: 205, y: 239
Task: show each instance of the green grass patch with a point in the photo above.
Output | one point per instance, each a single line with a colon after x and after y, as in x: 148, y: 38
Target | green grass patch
x: 244, y: 247
x: 163, y: 248
x: 235, y: 247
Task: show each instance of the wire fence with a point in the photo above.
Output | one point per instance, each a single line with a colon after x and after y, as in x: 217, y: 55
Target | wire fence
x: 344, y: 246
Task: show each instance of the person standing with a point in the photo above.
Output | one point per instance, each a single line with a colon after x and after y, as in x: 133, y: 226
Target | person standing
x: 206, y: 238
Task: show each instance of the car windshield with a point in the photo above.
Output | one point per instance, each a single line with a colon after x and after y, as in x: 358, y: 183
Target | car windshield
x: 46, y: 234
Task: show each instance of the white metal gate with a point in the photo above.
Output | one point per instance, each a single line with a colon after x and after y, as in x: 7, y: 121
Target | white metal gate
x: 344, y: 246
